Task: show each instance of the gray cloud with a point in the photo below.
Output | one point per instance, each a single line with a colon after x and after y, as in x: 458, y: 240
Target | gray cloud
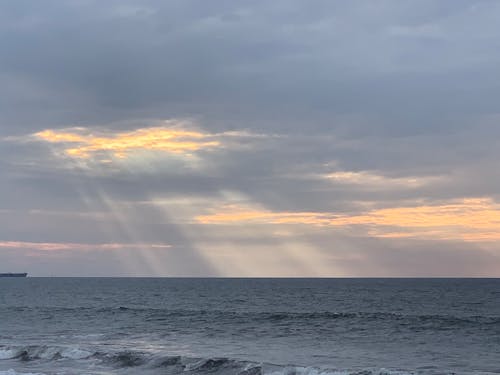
x: 413, y: 63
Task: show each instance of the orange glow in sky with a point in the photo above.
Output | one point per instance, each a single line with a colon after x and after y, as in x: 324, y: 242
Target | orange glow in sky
x: 467, y: 220
x: 82, y: 144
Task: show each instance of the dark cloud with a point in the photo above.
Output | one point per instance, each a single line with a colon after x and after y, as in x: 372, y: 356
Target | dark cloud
x: 413, y: 63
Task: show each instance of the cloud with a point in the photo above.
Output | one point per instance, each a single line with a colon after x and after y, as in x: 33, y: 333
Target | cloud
x: 84, y: 143
x: 373, y: 180
x: 474, y: 220
x: 331, y: 124
x: 407, y: 63
x: 59, y: 246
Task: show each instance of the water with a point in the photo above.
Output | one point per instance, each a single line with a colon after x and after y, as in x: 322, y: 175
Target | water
x: 249, y: 326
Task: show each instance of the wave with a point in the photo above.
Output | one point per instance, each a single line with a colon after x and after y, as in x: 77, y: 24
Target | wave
x: 171, y: 365
x: 259, y: 316
x: 412, y: 322
x: 30, y: 353
x: 285, y: 371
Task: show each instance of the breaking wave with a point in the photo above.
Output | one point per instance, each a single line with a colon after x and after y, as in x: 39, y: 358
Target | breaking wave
x: 171, y: 365
x: 30, y: 353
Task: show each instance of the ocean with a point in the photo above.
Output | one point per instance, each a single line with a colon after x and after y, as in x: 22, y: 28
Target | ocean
x: 249, y: 326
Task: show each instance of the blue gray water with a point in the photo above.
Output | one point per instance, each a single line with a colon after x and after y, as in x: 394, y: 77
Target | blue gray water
x: 249, y: 326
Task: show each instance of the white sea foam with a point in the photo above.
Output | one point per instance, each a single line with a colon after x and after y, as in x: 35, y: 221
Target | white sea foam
x: 44, y: 352
x: 293, y: 370
x: 75, y: 353
x: 8, y: 353
x: 297, y: 370
x: 12, y: 372
x: 89, y: 336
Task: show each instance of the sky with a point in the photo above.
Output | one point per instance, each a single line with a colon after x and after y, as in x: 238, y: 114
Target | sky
x: 250, y: 138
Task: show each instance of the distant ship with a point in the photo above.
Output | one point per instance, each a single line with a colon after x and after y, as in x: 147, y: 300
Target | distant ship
x: 13, y: 274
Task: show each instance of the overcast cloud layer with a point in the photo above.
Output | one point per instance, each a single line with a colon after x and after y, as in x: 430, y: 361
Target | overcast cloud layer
x: 250, y: 138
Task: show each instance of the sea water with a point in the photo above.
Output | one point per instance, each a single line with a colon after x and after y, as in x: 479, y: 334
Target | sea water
x: 249, y: 326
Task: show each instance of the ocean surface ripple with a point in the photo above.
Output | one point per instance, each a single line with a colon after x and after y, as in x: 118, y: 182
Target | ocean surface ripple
x: 249, y: 326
